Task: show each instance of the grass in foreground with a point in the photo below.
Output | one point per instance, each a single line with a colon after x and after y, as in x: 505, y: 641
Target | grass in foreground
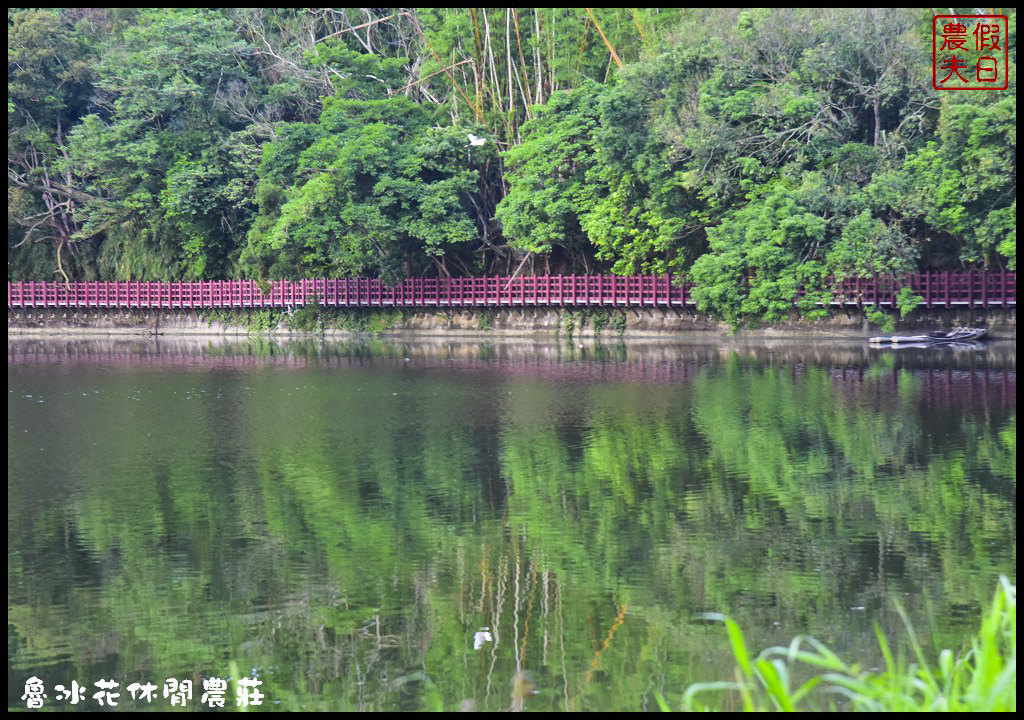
x: 983, y: 678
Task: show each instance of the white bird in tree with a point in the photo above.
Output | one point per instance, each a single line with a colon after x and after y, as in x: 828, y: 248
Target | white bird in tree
x: 476, y: 141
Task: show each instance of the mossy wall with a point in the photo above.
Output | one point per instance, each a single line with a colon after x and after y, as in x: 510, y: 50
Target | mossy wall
x: 564, y: 323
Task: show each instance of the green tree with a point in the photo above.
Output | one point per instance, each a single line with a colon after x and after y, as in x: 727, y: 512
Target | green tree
x: 170, y: 143
x: 958, y: 193
x: 551, y: 176
x: 376, y: 190
x: 760, y: 256
x: 49, y: 73
x: 156, y: 153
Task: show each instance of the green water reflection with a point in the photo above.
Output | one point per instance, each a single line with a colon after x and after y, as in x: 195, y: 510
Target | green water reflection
x: 343, y: 520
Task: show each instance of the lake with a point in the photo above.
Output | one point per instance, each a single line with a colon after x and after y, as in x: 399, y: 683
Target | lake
x: 383, y: 525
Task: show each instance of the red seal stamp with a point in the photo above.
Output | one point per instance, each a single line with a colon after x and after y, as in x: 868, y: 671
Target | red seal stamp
x: 970, y: 52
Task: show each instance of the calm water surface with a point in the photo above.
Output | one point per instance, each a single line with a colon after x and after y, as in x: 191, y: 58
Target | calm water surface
x: 383, y: 526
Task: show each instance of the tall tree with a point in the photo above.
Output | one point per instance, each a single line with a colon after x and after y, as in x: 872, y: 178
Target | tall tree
x: 372, y: 188
x: 49, y: 60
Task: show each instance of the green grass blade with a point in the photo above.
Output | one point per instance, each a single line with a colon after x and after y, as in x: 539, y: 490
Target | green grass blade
x: 775, y: 685
x: 660, y: 699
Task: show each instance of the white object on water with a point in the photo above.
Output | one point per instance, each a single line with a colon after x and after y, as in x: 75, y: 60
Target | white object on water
x: 476, y: 141
x: 483, y: 635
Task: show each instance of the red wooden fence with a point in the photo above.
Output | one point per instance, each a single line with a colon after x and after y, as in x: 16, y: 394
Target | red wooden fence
x: 939, y: 289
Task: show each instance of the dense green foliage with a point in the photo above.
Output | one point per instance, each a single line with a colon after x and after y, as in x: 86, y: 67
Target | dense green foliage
x: 369, y: 189
x: 755, y: 151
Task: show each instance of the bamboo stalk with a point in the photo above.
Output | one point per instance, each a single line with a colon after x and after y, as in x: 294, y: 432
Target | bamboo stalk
x: 540, y: 74
x: 478, y: 54
x: 552, y: 84
x: 522, y: 64
x: 438, y: 72
x: 615, y: 55
x: 508, y: 56
x: 583, y: 44
x: 458, y: 87
x: 496, y: 91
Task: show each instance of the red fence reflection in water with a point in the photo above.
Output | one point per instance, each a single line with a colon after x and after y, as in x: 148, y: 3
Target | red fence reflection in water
x: 939, y: 388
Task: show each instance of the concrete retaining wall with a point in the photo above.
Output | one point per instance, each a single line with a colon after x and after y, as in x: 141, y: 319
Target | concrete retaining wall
x: 503, y: 322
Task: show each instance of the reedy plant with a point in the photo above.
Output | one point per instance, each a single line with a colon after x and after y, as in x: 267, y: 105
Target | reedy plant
x: 983, y: 678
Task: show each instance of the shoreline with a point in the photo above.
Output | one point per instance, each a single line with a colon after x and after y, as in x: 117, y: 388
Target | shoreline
x: 526, y: 323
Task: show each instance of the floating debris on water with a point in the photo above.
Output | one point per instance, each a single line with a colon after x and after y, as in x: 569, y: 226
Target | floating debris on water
x: 482, y: 636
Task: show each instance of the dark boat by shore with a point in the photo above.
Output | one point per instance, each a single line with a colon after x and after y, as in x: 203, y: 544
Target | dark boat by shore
x: 956, y: 335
